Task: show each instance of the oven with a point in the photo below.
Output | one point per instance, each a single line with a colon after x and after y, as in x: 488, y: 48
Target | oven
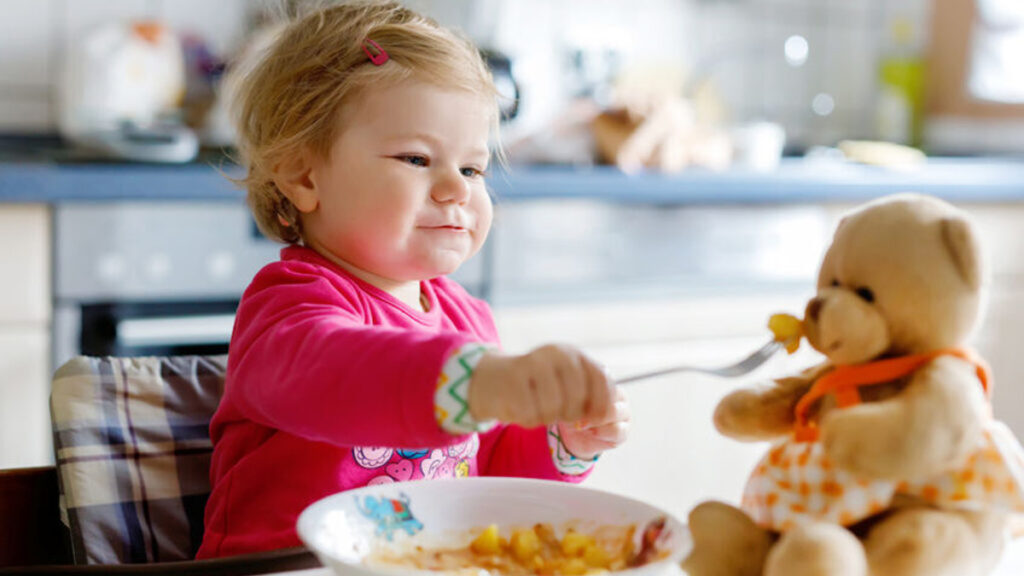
x: 154, y: 278
x: 151, y: 278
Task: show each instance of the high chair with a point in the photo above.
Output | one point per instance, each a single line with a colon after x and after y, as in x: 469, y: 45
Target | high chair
x: 132, y: 452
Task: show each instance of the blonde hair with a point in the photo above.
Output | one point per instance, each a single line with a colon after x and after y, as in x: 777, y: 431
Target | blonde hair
x: 291, y: 99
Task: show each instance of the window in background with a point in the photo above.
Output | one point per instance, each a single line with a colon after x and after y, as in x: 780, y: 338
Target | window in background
x: 997, y: 52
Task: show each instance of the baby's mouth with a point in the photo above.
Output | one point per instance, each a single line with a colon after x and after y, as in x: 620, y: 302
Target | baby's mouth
x: 451, y: 227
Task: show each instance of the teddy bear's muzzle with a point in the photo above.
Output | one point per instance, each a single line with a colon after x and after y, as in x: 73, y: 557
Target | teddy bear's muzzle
x: 845, y: 328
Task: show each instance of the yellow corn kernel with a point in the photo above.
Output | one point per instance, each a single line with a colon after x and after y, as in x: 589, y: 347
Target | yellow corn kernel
x: 525, y: 544
x: 574, y: 543
x: 787, y: 329
x: 596, y: 557
x: 487, y: 542
x: 574, y: 567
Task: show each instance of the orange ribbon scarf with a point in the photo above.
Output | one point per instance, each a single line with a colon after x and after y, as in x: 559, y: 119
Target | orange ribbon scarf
x: 844, y: 382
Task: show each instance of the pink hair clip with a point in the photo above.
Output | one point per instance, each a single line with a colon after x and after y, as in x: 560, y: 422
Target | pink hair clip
x: 379, y: 57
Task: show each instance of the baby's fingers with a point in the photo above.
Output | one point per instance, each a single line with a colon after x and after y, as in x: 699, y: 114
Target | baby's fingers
x: 611, y: 434
x: 618, y: 412
x: 574, y: 388
x: 600, y: 392
x: 548, y: 397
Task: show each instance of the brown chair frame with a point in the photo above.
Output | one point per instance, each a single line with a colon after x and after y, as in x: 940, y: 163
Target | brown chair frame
x: 33, y: 540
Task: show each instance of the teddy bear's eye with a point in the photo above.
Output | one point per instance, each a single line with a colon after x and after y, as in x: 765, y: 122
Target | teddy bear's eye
x: 835, y: 283
x: 866, y: 294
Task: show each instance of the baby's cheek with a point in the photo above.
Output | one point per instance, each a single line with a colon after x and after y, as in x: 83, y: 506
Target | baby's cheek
x: 484, y: 210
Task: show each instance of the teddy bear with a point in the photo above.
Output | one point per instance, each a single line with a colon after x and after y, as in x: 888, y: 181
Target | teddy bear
x: 886, y: 459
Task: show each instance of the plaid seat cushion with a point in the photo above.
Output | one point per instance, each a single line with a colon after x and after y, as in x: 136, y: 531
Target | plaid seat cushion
x: 132, y: 444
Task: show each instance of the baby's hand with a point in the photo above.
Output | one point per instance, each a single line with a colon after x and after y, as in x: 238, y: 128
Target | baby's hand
x: 550, y: 384
x: 588, y: 438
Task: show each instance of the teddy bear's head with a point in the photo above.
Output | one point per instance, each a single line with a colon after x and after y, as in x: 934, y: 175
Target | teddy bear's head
x: 903, y: 275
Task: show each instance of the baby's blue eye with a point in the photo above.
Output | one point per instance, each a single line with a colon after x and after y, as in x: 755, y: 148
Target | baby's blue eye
x: 470, y: 172
x: 415, y: 160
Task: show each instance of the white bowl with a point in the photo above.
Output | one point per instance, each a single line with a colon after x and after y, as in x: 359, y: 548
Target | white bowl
x: 344, y: 528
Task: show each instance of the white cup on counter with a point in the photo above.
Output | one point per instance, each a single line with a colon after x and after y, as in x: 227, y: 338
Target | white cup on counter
x: 758, y: 145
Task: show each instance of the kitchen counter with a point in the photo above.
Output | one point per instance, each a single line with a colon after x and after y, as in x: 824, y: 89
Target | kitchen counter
x: 795, y: 181
x: 48, y: 177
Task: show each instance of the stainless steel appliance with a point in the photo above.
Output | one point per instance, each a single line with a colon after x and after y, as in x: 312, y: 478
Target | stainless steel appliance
x: 135, y: 278
x: 145, y: 277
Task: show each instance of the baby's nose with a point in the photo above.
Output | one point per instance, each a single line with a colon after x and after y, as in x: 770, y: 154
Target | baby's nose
x: 450, y: 189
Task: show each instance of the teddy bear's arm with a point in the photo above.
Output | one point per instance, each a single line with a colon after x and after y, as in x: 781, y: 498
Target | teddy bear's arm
x: 928, y: 428
x: 764, y: 413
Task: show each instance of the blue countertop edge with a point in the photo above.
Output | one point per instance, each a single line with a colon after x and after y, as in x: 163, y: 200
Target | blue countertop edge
x: 796, y: 180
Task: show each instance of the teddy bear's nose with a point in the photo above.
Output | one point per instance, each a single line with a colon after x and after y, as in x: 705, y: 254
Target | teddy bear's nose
x: 813, y: 308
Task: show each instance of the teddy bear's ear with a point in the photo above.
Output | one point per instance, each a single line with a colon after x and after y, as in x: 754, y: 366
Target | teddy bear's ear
x: 963, y: 248
x: 839, y: 226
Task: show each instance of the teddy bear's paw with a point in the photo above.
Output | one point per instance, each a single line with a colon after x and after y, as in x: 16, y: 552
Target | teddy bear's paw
x: 928, y: 542
x: 726, y: 542
x: 817, y: 550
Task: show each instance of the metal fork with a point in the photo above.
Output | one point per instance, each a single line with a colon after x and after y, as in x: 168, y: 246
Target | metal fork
x: 745, y: 366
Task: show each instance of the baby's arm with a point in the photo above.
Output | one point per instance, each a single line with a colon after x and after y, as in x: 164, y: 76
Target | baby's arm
x: 303, y: 361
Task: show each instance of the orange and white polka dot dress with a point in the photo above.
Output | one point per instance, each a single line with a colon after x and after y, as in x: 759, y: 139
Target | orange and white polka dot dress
x: 796, y: 483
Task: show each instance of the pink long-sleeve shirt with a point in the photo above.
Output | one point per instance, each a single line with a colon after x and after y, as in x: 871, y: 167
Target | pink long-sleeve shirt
x: 330, y: 386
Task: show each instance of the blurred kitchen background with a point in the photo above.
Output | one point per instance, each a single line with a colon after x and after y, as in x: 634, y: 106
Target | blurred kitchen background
x: 676, y: 169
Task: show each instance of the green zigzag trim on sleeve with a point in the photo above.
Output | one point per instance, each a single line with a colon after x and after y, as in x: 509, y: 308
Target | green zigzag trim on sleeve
x: 452, y: 397
x: 566, y: 462
x: 461, y: 396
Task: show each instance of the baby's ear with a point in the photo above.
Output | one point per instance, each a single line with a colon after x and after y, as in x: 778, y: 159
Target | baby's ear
x: 295, y: 179
x: 958, y: 236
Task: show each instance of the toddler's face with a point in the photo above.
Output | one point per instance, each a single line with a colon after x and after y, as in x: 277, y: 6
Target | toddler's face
x: 402, y: 193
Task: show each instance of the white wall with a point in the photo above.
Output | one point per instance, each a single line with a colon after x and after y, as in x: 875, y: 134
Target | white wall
x: 35, y: 33
x: 752, y: 77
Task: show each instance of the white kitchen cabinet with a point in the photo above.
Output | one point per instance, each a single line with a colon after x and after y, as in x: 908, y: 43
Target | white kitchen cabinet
x: 1000, y: 338
x: 24, y: 264
x: 24, y: 397
x: 25, y: 313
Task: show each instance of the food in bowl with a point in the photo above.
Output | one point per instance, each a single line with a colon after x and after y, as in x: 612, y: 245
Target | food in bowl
x: 484, y: 525
x: 536, y: 550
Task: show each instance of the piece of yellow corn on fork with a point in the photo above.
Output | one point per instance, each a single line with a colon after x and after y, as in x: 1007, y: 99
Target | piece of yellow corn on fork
x: 787, y: 329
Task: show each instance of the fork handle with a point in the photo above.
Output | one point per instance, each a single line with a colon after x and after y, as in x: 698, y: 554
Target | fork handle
x: 726, y: 371
x: 660, y: 372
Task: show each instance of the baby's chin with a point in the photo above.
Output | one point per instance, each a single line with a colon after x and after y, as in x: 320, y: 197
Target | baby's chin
x: 441, y: 265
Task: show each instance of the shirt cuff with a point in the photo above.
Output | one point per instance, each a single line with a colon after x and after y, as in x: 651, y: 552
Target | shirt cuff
x: 565, y: 462
x: 451, y: 400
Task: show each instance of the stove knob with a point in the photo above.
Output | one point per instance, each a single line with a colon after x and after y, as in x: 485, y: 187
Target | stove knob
x: 158, y: 267
x: 111, y: 268
x: 220, y: 265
